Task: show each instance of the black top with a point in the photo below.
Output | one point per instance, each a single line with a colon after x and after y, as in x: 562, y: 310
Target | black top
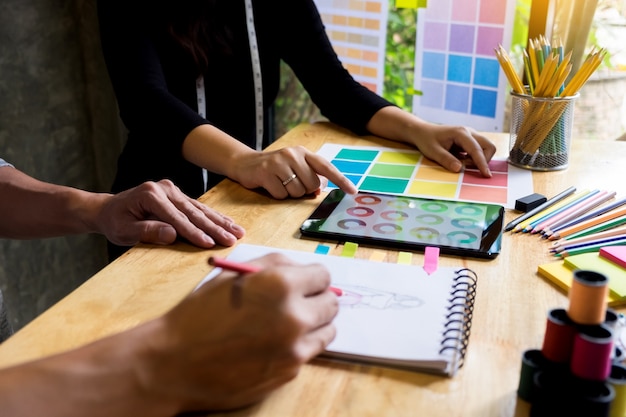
x: 154, y: 81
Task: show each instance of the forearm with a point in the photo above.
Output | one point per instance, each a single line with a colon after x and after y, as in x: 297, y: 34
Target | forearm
x: 30, y: 208
x: 211, y: 148
x: 396, y: 124
x: 101, y: 379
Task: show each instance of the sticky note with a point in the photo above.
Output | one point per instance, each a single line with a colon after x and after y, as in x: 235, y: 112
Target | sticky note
x: 615, y: 254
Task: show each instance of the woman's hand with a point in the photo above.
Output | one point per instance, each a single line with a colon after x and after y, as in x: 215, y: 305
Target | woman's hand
x: 289, y: 172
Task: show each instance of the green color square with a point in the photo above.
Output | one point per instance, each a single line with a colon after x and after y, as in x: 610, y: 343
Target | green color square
x: 393, y: 171
x: 357, y: 154
x: 384, y: 185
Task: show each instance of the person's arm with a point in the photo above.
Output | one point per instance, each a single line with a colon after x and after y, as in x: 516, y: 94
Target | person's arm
x: 208, y: 146
x: 444, y: 144
x: 205, y: 354
x: 150, y: 213
x: 146, y: 104
x: 350, y: 104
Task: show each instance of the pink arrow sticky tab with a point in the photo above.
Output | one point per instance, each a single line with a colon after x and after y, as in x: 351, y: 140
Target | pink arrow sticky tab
x: 431, y: 259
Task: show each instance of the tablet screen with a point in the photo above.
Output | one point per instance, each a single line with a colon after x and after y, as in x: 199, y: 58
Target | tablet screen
x: 457, y: 228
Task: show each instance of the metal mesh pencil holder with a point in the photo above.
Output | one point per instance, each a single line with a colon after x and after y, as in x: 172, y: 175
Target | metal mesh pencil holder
x: 541, y: 131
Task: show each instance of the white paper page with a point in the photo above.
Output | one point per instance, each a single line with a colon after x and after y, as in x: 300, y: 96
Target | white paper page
x: 387, y: 310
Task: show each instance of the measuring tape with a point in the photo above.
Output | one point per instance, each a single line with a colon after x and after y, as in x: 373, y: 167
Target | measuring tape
x: 258, y: 86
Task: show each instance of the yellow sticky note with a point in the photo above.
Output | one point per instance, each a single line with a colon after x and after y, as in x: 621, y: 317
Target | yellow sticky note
x: 349, y: 250
x: 405, y: 258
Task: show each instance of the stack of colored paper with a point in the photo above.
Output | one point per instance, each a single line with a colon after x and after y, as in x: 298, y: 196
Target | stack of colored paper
x: 610, y: 261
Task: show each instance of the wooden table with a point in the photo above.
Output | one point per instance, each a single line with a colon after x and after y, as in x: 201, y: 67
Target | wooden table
x: 509, y: 315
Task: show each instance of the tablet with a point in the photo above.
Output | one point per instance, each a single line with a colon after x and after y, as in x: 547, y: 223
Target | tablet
x: 410, y: 223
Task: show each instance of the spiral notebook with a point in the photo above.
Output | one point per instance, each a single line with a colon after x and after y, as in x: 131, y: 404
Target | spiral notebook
x: 393, y: 315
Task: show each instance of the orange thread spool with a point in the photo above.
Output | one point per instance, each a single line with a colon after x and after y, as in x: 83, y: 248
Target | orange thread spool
x: 587, y: 297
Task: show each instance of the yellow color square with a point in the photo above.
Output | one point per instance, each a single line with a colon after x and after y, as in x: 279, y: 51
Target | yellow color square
x: 436, y: 174
x: 433, y: 189
x: 405, y: 158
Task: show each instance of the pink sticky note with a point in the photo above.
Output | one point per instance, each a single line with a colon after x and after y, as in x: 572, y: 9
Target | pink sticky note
x: 615, y: 254
x: 431, y: 259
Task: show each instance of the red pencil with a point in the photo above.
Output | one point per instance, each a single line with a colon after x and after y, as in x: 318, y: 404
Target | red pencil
x: 243, y: 268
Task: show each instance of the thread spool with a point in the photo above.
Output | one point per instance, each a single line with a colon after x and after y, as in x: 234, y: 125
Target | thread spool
x: 533, y: 361
x: 559, y: 336
x: 587, y: 297
x: 561, y: 394
x: 617, y: 379
x: 592, y: 398
x: 611, y: 320
x: 550, y: 394
x: 591, y: 353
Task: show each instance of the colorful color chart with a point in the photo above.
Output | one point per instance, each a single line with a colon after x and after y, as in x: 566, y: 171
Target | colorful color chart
x: 406, y: 172
x: 358, y: 30
x: 457, y: 75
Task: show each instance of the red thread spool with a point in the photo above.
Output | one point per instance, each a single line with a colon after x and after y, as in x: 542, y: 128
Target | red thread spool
x: 559, y: 336
x: 591, y: 353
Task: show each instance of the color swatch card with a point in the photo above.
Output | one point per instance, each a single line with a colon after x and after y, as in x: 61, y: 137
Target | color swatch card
x: 408, y: 173
x: 457, y: 75
x: 357, y: 30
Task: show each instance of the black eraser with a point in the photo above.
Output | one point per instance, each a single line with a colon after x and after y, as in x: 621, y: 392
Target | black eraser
x: 529, y: 202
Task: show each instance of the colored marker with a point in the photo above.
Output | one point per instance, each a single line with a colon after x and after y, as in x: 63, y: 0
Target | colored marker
x: 243, y: 268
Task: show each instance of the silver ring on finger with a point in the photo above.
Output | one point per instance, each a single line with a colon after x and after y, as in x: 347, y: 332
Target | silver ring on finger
x: 288, y: 180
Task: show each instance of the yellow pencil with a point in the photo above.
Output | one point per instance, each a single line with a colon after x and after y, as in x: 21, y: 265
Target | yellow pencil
x: 509, y: 71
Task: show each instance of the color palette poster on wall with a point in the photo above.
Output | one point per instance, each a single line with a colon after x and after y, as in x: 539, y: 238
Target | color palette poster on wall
x: 357, y: 30
x: 407, y: 172
x: 457, y: 75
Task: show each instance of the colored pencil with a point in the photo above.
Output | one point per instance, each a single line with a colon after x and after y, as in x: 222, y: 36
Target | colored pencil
x: 547, y: 71
x: 594, y: 242
x: 576, y: 211
x: 592, y: 214
x: 512, y: 224
x: 608, y: 225
x: 617, y: 231
x: 509, y: 70
x: 588, y: 223
x: 590, y: 248
x: 564, y: 211
x: 526, y: 225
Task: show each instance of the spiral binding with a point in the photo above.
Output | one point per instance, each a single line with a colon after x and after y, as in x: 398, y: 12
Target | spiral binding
x: 459, y: 319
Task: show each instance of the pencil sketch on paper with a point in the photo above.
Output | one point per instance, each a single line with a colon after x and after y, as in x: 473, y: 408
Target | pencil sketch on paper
x: 364, y: 297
